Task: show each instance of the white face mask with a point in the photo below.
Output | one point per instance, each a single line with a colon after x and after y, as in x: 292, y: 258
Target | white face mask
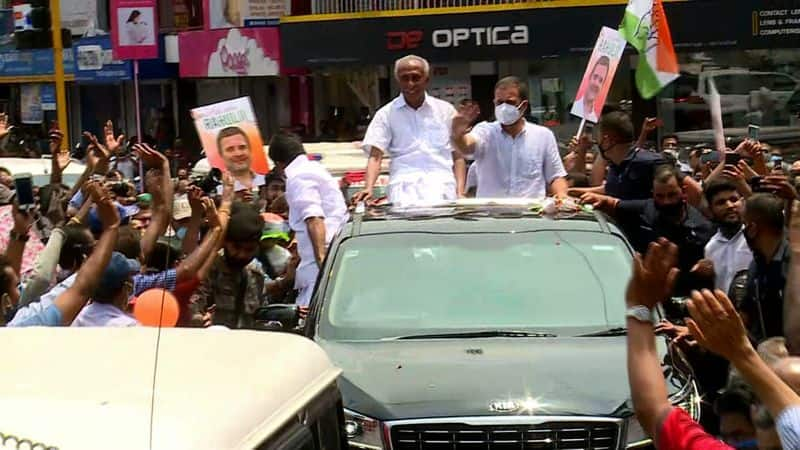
x: 507, y: 114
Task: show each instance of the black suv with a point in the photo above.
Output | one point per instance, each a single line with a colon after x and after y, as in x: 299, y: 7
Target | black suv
x: 481, y: 326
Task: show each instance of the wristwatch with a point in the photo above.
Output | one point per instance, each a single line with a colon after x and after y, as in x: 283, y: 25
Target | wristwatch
x: 640, y: 313
x: 19, y: 237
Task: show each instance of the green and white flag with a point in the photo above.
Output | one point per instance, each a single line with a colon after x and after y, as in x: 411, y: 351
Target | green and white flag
x: 645, y: 28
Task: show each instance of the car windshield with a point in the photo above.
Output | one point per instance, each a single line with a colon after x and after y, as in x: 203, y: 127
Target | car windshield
x: 744, y: 84
x: 406, y: 284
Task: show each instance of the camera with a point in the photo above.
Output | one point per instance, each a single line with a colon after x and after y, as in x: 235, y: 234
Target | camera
x: 209, y: 182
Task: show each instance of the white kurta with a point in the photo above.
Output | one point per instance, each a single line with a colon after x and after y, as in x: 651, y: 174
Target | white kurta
x: 418, y: 142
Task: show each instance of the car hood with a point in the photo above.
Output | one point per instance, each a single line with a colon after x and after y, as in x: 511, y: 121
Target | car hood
x: 408, y: 379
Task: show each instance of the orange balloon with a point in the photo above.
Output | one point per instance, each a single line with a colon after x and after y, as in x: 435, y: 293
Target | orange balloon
x: 148, y: 308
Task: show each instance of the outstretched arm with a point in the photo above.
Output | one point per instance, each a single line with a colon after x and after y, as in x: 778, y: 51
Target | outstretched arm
x: 71, y: 301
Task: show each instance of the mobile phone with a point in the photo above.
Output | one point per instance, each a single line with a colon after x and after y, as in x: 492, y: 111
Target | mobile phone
x: 752, y: 132
x: 23, y: 185
x: 710, y: 157
x: 755, y: 183
x: 732, y: 158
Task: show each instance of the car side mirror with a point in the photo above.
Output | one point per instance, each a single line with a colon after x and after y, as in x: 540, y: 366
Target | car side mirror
x: 277, y: 317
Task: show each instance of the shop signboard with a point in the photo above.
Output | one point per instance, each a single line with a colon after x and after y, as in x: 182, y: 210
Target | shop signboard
x: 78, y: 15
x: 222, y: 14
x: 47, y: 93
x: 17, y: 63
x: 527, y: 33
x: 94, y: 62
x: 238, y: 52
x: 134, y: 29
x: 599, y: 75
x: 238, y: 121
x: 30, y: 104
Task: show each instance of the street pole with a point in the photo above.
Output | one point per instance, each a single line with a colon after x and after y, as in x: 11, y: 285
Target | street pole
x: 58, y: 72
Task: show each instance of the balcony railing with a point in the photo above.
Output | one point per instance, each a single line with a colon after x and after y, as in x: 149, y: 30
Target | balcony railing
x: 357, y: 6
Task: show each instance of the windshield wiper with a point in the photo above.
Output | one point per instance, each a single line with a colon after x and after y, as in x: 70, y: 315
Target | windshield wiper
x: 477, y: 334
x: 607, y: 333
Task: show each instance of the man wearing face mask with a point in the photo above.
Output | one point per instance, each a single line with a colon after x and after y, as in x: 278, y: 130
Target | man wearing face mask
x: 764, y: 232
x: 667, y: 214
x: 630, y: 169
x: 514, y: 157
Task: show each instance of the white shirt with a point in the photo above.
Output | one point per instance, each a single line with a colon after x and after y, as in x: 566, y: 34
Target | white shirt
x: 729, y: 257
x: 521, y: 166
x: 418, y: 142
x: 258, y: 181
x: 312, y: 192
x: 103, y: 315
x: 577, y: 110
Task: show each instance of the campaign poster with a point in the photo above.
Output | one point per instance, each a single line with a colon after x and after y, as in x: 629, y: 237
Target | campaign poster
x: 226, y: 128
x: 134, y: 29
x: 599, y: 75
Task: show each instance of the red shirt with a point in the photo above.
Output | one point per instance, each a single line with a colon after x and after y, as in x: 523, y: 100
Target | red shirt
x: 680, y: 432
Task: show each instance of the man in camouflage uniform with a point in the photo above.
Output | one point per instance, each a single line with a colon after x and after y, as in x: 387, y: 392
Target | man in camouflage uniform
x: 235, y: 283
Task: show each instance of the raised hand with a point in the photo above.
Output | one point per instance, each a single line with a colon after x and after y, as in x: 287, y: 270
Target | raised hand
x: 364, y: 195
x: 55, y: 136
x: 464, y: 117
x: 650, y: 124
x: 716, y: 325
x: 654, y: 276
x: 106, y: 210
x: 112, y: 144
x: 228, y: 183
x: 196, y: 196
x: 780, y: 186
x: 23, y: 220
x: 580, y: 145
x: 212, y: 215
x: 5, y: 128
x: 794, y: 227
x: 151, y: 157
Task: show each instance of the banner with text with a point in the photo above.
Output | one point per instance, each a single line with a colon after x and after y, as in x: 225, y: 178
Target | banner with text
x: 238, y: 52
x: 243, y: 13
x: 599, y: 75
x: 229, y: 133
x: 134, y: 29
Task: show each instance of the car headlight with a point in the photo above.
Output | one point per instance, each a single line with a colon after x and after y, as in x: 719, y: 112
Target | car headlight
x: 362, y: 431
x: 687, y: 398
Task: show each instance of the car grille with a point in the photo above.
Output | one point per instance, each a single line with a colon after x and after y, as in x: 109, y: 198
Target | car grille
x: 546, y: 436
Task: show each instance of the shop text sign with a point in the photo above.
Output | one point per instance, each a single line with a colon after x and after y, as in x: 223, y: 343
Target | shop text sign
x: 460, y: 37
x: 237, y: 52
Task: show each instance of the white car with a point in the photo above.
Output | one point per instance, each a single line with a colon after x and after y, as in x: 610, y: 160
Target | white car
x: 40, y: 169
x: 174, y: 388
x: 736, y: 87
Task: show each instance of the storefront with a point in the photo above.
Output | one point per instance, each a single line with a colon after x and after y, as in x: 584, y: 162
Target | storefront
x: 27, y: 95
x: 469, y: 51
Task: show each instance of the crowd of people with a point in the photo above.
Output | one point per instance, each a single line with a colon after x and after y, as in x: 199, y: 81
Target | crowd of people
x: 718, y: 229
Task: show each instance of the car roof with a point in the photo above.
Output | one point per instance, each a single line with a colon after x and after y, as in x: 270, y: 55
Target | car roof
x: 40, y: 169
x: 83, y: 388
x: 485, y: 215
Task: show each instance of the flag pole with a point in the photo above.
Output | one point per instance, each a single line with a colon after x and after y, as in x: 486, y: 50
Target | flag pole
x: 58, y: 72
x: 138, y: 119
x: 580, y: 129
